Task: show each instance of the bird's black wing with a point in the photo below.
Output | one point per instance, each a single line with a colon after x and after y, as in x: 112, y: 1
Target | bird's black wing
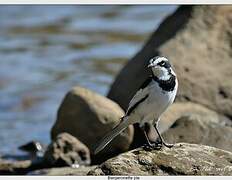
x: 140, y: 96
x: 146, y: 82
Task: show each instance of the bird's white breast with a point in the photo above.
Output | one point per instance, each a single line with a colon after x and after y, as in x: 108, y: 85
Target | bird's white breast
x: 156, y: 103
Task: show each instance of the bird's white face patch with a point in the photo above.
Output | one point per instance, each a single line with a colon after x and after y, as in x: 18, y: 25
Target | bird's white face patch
x: 161, y: 72
x: 158, y: 69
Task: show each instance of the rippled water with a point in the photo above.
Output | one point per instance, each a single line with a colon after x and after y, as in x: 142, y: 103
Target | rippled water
x: 46, y: 50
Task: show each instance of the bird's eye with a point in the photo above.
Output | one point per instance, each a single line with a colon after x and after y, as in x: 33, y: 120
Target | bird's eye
x: 162, y: 63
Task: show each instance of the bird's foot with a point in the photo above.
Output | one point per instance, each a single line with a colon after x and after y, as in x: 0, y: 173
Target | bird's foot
x: 154, y: 146
x: 168, y: 145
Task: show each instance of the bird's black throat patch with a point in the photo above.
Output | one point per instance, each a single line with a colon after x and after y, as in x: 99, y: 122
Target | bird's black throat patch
x: 166, y: 85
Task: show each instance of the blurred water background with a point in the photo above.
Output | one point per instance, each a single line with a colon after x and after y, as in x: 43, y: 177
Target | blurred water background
x: 46, y: 50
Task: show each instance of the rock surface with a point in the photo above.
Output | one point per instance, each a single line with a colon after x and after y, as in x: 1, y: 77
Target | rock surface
x: 182, y: 159
x: 179, y: 109
x: 88, y: 117
x: 200, y: 129
x: 66, y: 150
x: 8, y: 167
x: 63, y: 171
x: 197, y: 41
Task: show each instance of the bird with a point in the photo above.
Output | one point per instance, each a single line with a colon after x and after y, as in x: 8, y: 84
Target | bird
x: 151, y: 100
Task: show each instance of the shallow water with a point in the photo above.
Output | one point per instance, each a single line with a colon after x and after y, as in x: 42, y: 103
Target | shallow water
x: 46, y: 50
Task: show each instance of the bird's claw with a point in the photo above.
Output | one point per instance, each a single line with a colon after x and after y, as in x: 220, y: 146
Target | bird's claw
x: 154, y: 146
x: 168, y: 145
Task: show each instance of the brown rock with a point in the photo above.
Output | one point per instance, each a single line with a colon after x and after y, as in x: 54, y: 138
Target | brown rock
x: 197, y: 41
x: 200, y: 129
x: 182, y: 159
x: 180, y: 109
x: 89, y: 116
x: 63, y: 171
x: 66, y: 150
x: 13, y: 167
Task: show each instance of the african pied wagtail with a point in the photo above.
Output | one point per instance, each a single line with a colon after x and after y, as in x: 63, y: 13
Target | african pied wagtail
x: 155, y: 95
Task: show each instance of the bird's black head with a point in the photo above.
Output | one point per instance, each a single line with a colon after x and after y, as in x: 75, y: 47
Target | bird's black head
x: 159, y: 61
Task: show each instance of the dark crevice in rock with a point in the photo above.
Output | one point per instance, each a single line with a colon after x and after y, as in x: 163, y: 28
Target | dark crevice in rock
x: 147, y: 167
x: 229, y: 116
x: 223, y: 93
x: 136, y: 152
x: 73, y: 160
x: 152, y: 169
x: 174, y: 125
x: 183, y: 98
x: 186, y: 69
x: 196, y: 169
x: 170, y: 170
x: 82, y: 154
x: 106, y: 170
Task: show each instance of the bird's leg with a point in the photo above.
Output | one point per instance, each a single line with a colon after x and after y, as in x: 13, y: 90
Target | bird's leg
x: 150, y: 145
x: 161, y: 138
x: 147, y: 139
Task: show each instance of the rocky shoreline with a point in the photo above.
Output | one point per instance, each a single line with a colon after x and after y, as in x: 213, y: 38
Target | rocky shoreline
x: 197, y: 40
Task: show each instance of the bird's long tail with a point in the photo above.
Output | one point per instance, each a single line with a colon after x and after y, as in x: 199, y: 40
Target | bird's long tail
x: 112, y: 134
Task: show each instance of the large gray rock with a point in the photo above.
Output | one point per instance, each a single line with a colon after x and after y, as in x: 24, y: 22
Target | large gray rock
x: 200, y: 129
x: 88, y: 116
x: 66, y: 150
x: 197, y: 40
x: 182, y: 159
